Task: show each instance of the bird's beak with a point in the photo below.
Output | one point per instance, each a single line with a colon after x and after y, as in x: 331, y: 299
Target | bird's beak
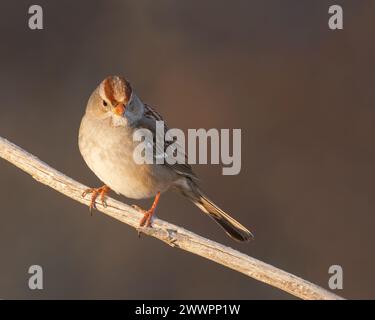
x: 119, y: 109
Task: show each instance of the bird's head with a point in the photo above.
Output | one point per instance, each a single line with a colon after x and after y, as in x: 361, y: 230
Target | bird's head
x: 114, y: 98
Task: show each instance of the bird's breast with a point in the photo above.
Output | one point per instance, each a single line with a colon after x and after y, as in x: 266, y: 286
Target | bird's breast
x: 108, y: 151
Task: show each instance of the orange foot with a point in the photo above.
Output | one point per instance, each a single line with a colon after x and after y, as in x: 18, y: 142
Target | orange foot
x: 102, y: 192
x: 146, y: 220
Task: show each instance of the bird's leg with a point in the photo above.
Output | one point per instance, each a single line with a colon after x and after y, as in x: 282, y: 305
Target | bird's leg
x: 102, y: 192
x: 146, y: 220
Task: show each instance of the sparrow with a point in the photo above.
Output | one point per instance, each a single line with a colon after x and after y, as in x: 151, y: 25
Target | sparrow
x: 113, y: 113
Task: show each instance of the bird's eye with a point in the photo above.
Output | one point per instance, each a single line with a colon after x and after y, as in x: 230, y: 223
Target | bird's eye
x: 105, y: 103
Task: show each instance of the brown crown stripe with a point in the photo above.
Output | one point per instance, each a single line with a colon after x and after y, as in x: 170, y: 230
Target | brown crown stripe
x: 115, y: 87
x: 108, y: 90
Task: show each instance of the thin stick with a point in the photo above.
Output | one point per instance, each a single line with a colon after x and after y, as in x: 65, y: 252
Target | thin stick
x: 171, y: 234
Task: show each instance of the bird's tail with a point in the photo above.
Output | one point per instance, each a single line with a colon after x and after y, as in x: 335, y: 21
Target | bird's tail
x: 231, y: 226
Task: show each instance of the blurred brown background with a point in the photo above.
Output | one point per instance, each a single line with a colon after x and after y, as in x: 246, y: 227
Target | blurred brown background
x: 302, y: 94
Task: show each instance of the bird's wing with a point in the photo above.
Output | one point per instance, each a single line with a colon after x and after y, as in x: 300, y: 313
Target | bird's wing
x: 149, y: 122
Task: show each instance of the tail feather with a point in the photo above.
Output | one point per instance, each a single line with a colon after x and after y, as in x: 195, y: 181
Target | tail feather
x: 231, y: 226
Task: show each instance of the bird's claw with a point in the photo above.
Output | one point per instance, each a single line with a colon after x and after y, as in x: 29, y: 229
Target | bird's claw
x: 146, y: 220
x: 102, y: 192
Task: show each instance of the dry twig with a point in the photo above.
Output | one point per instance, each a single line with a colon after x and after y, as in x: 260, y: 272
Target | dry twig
x: 171, y: 234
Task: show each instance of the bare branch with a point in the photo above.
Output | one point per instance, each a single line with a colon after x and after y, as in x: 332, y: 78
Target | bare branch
x: 171, y: 234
